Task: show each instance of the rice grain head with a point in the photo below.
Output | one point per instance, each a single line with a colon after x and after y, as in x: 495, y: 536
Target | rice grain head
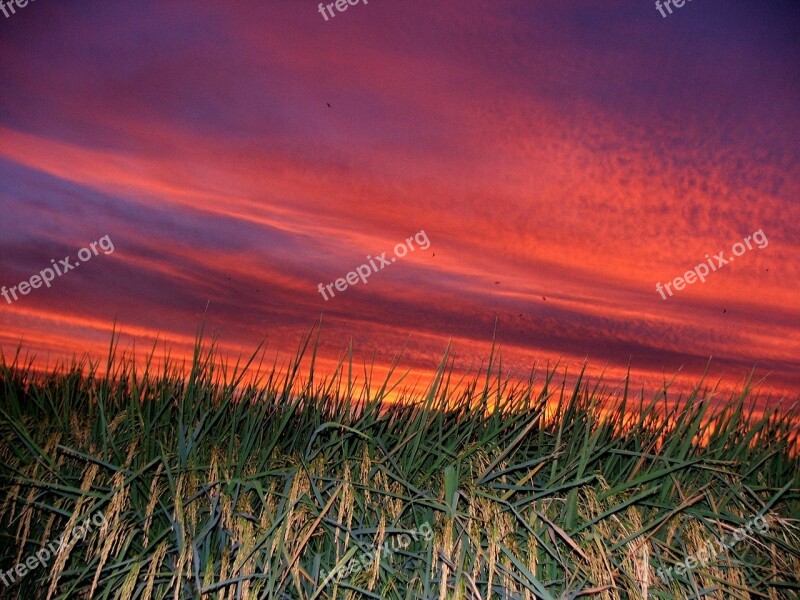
x: 64, y: 550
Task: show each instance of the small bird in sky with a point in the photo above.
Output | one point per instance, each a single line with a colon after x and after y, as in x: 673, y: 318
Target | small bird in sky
x: 329, y: 104
x: 543, y: 298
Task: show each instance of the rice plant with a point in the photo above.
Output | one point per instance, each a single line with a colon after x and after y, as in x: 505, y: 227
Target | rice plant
x: 215, y: 484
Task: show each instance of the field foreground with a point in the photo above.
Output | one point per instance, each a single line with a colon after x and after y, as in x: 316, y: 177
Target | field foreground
x: 155, y: 485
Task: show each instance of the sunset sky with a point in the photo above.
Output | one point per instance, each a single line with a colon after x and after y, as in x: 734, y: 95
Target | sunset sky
x: 562, y: 157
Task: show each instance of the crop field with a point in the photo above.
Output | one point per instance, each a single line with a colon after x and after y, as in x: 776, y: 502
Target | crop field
x: 180, y: 483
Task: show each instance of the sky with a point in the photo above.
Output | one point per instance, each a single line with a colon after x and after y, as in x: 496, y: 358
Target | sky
x: 557, y: 159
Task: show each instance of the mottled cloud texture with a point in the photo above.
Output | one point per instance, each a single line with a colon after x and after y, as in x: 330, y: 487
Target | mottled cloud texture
x: 239, y: 153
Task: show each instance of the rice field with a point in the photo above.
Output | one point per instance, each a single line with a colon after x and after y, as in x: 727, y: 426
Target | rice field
x: 212, y: 485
